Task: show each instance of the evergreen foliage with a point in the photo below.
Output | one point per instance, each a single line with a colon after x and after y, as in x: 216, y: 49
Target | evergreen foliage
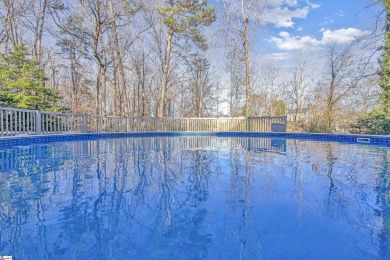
x: 378, y: 121
x: 185, y: 16
x: 22, y: 83
x: 384, y: 82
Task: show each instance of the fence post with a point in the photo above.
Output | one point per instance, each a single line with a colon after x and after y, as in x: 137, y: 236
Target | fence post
x: 38, y: 122
x: 105, y: 124
x: 218, y: 124
x: 85, y: 124
x: 2, y: 122
x: 188, y: 124
x: 124, y: 124
x: 248, y: 124
x: 157, y: 124
x: 285, y: 124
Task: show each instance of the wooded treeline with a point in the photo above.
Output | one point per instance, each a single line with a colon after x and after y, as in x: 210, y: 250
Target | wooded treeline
x: 186, y: 58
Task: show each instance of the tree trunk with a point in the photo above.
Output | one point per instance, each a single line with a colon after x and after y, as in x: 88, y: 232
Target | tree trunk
x: 122, y: 82
x: 247, y: 83
x: 39, y: 34
x: 10, y: 22
x: 143, y: 100
x: 329, y: 105
x: 74, y: 79
x: 97, y: 99
x: 164, y: 90
x: 115, y: 85
x: 104, y: 90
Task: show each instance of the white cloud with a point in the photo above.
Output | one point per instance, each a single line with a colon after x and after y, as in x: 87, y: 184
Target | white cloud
x: 279, y: 13
x: 283, y: 16
x: 289, y: 43
x: 341, y: 36
x: 276, y: 56
x: 327, y: 20
x: 282, y: 12
x: 340, y: 13
x: 274, y: 3
x: 312, y: 5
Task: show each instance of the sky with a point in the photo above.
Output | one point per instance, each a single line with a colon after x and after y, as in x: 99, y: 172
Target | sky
x: 295, y: 25
x: 301, y: 24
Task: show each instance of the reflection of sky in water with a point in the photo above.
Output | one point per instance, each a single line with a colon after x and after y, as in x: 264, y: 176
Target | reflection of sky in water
x: 195, y: 197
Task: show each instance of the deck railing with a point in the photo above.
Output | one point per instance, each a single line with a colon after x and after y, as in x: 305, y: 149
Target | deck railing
x: 15, y: 121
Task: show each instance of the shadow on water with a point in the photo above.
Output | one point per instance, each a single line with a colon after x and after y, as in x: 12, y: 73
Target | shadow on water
x: 194, y: 197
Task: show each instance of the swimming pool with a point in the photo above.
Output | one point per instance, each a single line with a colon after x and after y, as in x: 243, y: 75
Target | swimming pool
x: 182, y: 197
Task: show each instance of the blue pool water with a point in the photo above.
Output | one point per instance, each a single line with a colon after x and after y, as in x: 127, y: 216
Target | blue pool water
x: 195, y: 197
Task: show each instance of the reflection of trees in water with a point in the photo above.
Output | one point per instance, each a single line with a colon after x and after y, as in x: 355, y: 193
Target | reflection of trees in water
x: 184, y: 181
x: 350, y: 185
x: 126, y: 189
x: 246, y: 205
x: 337, y: 180
x: 384, y: 198
x: 298, y: 176
x: 23, y: 187
x: 118, y: 188
x: 239, y: 197
x: 345, y: 189
x: 330, y: 160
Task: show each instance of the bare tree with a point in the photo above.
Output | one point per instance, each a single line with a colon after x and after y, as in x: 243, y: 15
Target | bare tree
x: 11, y: 13
x: 265, y: 88
x: 301, y: 82
x: 200, y: 85
x: 234, y: 68
x: 343, y: 72
x: 88, y: 23
x: 34, y: 20
x: 123, y: 10
x: 118, y: 62
x: 243, y: 16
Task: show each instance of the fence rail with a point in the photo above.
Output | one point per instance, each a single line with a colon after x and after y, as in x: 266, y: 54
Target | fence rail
x: 15, y: 121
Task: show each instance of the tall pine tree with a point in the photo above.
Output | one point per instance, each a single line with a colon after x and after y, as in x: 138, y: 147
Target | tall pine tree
x: 22, y: 83
x: 183, y: 17
x: 384, y: 82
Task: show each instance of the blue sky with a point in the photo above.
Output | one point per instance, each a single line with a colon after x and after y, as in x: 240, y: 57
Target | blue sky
x: 294, y: 25
x: 330, y: 14
x: 323, y: 22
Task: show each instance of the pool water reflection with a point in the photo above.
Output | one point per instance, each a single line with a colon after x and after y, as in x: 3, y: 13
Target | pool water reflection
x: 195, y: 197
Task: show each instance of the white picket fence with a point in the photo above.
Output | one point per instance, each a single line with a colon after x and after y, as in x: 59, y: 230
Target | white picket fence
x: 14, y: 121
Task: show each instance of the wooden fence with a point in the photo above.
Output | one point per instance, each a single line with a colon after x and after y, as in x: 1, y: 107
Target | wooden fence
x: 15, y: 121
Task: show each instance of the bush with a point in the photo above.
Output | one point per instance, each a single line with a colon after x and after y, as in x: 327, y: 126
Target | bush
x: 22, y: 83
x: 317, y: 127
x: 376, y: 122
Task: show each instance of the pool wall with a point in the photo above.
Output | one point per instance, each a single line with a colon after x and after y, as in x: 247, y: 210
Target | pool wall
x: 6, y: 142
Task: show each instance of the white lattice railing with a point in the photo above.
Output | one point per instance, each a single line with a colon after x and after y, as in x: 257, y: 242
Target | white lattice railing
x: 15, y: 121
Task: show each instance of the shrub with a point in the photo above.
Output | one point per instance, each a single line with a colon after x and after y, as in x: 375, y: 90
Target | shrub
x: 376, y: 122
